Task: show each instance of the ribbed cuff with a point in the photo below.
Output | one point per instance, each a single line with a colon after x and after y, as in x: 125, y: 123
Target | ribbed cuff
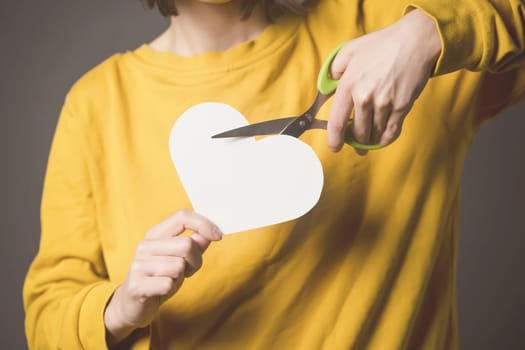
x: 91, y: 328
x: 458, y: 45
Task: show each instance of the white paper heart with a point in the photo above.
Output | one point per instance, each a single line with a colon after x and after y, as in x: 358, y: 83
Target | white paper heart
x: 241, y: 183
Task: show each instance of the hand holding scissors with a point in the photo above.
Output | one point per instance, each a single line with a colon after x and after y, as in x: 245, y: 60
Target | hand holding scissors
x: 382, y: 74
x: 297, y: 125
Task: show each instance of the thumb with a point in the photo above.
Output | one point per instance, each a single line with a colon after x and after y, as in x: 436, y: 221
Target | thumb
x: 184, y: 220
x: 339, y: 63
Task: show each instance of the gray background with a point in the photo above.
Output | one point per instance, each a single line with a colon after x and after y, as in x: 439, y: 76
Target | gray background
x: 47, y: 45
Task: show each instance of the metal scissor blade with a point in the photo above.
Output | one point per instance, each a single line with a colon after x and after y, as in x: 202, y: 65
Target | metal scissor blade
x: 270, y: 127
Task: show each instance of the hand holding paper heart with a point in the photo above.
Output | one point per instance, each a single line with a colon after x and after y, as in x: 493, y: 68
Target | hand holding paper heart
x: 241, y: 183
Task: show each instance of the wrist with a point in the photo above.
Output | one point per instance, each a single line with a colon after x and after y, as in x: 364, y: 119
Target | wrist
x: 424, y: 31
x: 117, y: 330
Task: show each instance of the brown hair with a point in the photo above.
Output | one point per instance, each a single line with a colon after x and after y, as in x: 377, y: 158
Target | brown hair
x: 272, y: 8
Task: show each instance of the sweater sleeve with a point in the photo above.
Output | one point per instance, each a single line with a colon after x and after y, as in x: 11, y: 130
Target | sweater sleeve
x: 486, y: 35
x: 67, y: 287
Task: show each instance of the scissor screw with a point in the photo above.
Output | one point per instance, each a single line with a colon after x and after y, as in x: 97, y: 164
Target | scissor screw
x: 302, y: 123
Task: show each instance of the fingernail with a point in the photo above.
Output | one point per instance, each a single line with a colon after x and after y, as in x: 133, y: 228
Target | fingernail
x: 218, y: 232
x: 383, y: 143
x: 335, y: 148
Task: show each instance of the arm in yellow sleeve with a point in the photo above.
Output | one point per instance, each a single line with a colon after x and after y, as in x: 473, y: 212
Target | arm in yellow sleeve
x: 66, y: 288
x: 482, y: 35
x: 478, y: 35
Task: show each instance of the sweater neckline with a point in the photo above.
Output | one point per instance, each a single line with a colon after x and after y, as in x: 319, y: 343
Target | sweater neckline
x: 274, y: 36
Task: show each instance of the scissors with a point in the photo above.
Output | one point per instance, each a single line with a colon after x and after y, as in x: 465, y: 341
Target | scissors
x: 297, y: 125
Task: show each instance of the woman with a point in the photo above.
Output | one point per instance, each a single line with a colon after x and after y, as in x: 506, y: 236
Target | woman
x: 371, y: 266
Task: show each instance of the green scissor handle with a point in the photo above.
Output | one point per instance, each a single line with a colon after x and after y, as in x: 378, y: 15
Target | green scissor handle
x: 326, y: 85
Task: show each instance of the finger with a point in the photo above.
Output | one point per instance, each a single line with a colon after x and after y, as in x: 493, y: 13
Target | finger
x: 172, y: 226
x: 189, y: 253
x: 150, y: 287
x: 382, y: 112
x: 340, y: 62
x: 361, y: 152
x: 160, y: 266
x: 184, y: 247
x: 392, y: 129
x: 201, y: 241
x: 185, y: 220
x: 363, y: 118
x: 176, y: 284
x: 342, y: 106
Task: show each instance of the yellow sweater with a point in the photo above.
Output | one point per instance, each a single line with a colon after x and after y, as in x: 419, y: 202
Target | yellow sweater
x: 372, y: 266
